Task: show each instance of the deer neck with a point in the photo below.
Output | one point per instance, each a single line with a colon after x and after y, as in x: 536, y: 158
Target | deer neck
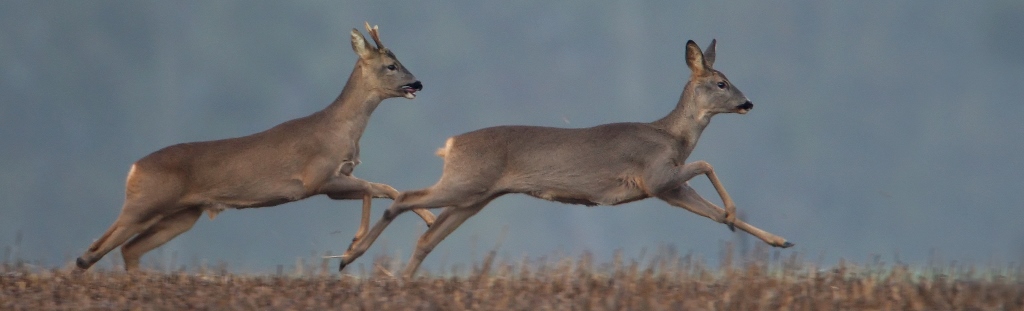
x: 350, y: 112
x: 686, y: 122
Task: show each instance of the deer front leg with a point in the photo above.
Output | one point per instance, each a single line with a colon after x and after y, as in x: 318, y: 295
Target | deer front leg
x: 364, y: 221
x: 348, y: 187
x: 687, y: 198
x: 690, y: 170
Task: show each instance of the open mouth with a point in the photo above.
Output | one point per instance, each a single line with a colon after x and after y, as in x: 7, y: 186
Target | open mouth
x: 411, y: 89
x: 745, y: 107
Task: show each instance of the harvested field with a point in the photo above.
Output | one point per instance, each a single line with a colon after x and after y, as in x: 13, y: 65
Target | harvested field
x: 666, y: 282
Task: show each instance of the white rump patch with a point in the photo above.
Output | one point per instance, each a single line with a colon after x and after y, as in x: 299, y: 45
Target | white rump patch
x: 131, y: 171
x: 443, y: 152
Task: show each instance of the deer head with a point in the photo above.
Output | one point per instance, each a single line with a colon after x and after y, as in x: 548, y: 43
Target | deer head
x: 386, y: 74
x: 712, y: 91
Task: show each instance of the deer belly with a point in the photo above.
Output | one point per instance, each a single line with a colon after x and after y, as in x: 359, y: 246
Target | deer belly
x: 563, y: 198
x: 257, y: 195
x: 611, y: 196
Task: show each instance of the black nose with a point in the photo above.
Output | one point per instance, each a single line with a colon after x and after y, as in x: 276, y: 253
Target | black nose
x: 415, y: 85
x: 746, y: 106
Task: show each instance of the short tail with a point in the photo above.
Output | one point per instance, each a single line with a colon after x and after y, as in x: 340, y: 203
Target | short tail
x: 443, y: 152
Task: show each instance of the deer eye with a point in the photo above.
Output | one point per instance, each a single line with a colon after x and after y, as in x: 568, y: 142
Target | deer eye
x: 392, y: 67
x: 721, y: 85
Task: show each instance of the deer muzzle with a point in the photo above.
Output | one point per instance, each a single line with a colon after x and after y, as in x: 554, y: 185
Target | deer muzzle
x: 745, y: 107
x: 411, y: 89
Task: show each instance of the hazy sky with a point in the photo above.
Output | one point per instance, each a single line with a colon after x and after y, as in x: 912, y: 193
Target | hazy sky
x: 878, y: 128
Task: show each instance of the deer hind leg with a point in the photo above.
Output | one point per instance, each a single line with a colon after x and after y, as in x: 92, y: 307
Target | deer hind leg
x: 127, y: 225
x: 433, y: 197
x: 450, y: 219
x: 688, y: 199
x: 426, y: 215
x: 159, y: 233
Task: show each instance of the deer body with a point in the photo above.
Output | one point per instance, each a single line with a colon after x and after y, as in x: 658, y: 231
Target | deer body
x: 603, y: 165
x: 168, y: 190
x: 565, y: 165
x: 288, y: 162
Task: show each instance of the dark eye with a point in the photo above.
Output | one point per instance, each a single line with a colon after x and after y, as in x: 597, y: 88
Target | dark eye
x: 721, y: 85
x: 392, y: 67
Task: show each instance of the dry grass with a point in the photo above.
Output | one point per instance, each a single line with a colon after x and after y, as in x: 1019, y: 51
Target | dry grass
x: 665, y: 282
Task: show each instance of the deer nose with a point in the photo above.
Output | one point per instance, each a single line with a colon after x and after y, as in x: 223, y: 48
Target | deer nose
x: 746, y: 106
x: 415, y: 85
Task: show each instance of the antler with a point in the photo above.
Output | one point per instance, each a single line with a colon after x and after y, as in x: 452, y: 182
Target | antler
x: 374, y: 34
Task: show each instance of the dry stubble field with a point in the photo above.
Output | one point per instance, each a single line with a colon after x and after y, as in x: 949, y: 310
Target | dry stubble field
x: 666, y: 281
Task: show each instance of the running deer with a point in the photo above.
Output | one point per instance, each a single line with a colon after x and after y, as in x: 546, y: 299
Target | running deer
x: 168, y: 190
x: 603, y: 165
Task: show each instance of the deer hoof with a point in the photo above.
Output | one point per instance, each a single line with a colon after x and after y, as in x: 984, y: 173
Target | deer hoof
x: 786, y: 245
x: 341, y: 266
x: 82, y: 264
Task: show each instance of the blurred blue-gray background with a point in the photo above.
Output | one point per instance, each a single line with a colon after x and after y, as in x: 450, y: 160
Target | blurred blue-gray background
x: 879, y: 128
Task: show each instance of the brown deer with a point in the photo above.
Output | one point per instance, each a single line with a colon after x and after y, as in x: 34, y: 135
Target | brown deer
x: 603, y: 165
x: 168, y: 190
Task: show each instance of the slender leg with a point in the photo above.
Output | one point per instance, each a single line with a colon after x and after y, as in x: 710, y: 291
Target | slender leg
x: 688, y: 199
x: 127, y: 225
x: 158, y: 234
x: 364, y: 221
x: 358, y: 247
x: 671, y: 181
x: 347, y: 187
x: 382, y: 189
x: 427, y: 216
x: 450, y: 219
x: 412, y: 200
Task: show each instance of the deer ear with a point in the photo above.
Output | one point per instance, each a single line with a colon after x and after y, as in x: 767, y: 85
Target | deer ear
x: 360, y: 46
x: 695, y: 59
x: 709, y: 53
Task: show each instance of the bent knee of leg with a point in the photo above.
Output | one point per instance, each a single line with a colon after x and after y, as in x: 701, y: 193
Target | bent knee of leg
x: 390, y: 214
x: 394, y: 211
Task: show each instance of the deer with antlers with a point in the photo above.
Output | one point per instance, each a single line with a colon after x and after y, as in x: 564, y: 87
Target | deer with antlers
x: 603, y: 165
x: 167, y: 191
